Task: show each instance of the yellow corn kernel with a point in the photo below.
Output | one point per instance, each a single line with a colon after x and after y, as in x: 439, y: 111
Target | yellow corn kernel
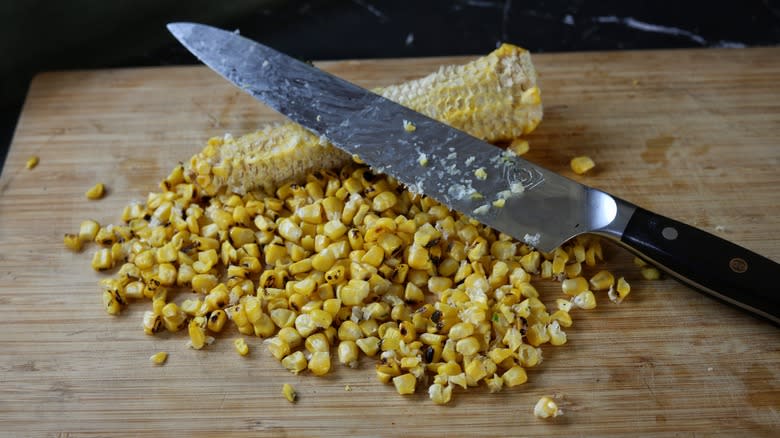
x: 289, y: 393
x: 620, y: 292
x: 574, y: 286
x: 514, y: 376
x: 72, y: 242
x: 639, y: 262
x: 650, y: 273
x: 603, y: 280
x: 348, y: 353
x: 241, y: 347
x: 368, y: 345
x: 197, y: 334
x: 152, y: 322
x: 467, y: 346
x: 88, y: 230
x: 295, y: 362
x: 440, y: 394
x: 384, y: 201
x: 546, y: 408
x: 203, y: 283
x: 103, y: 260
x: 582, y: 164
x: 519, y: 146
x: 405, y: 383
x: 96, y: 191
x: 319, y: 364
x: 158, y: 358
x: 557, y: 336
x: 585, y: 300
x: 32, y: 162
x: 562, y: 317
x: 216, y: 320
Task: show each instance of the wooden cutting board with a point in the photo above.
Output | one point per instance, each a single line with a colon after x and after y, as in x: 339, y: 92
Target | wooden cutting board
x: 692, y: 134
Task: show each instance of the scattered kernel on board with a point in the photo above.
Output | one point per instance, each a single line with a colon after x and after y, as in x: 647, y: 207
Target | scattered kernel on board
x: 582, y: 164
x: 289, y: 393
x: 480, y: 173
x: 546, y: 408
x: 32, y: 162
x: 96, y: 192
x: 158, y: 358
x: 519, y: 146
x: 409, y: 126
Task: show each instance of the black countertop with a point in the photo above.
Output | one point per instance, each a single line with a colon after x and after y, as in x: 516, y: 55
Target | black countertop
x: 41, y: 35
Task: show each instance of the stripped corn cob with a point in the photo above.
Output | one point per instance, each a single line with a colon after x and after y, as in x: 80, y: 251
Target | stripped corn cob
x: 494, y: 98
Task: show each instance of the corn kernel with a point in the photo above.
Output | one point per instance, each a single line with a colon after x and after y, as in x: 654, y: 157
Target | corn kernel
x: 405, y: 383
x: 158, y: 358
x: 96, y: 192
x: 241, y: 346
x: 546, y: 408
x: 582, y: 164
x: 72, y: 242
x: 289, y: 393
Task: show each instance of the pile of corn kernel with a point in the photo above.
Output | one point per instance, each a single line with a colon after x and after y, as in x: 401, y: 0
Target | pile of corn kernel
x: 344, y: 265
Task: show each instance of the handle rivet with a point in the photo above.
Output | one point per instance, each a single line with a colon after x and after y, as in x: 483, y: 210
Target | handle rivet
x: 669, y: 233
x: 738, y: 265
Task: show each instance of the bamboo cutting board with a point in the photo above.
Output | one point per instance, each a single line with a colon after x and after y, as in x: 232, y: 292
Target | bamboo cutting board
x: 691, y: 134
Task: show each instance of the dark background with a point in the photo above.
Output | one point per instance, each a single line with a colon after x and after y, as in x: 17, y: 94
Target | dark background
x: 44, y: 35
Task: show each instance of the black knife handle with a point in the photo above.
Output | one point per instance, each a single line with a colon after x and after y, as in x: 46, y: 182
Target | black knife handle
x: 707, y: 262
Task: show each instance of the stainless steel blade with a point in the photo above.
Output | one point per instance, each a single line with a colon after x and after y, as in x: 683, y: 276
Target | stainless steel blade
x: 539, y: 206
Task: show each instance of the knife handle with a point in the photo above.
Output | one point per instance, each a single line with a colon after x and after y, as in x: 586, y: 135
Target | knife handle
x: 707, y: 262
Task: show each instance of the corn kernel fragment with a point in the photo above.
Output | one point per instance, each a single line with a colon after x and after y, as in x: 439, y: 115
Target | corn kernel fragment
x: 32, y: 162
x: 158, y: 358
x: 546, y: 408
x: 96, y: 192
x: 582, y: 164
x: 289, y: 393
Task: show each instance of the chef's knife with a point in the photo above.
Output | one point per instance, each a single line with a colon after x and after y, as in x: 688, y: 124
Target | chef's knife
x: 496, y: 187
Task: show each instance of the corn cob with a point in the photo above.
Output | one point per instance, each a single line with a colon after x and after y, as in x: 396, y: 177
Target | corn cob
x: 494, y: 98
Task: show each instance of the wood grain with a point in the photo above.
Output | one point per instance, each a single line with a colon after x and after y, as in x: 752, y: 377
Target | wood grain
x: 691, y: 134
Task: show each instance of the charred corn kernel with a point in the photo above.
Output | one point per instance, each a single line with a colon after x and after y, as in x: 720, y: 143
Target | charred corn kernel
x: 216, y: 320
x: 289, y: 393
x: 106, y: 236
x: 319, y: 364
x: 405, y: 383
x: 650, y: 273
x: 72, y: 242
x: 103, y: 259
x: 585, y: 300
x: 295, y: 362
x: 96, y: 191
x: 348, y: 353
x: 582, y: 164
x: 152, y: 322
x: 514, y: 376
x: 617, y: 294
x: 603, y: 280
x: 368, y: 345
x: 241, y: 346
x: 546, y: 408
x: 158, y: 358
x: 574, y: 286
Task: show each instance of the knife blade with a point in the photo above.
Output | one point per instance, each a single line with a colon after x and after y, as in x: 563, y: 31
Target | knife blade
x: 492, y: 185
